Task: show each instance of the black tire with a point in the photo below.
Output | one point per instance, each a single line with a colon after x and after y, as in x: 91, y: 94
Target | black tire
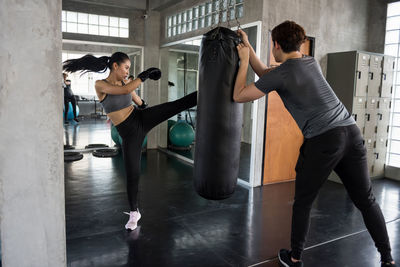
x: 72, y: 156
x: 96, y: 146
x: 105, y: 152
x: 68, y: 147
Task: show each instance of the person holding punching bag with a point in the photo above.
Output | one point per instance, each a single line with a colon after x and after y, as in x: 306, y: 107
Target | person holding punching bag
x: 132, y: 123
x: 332, y: 140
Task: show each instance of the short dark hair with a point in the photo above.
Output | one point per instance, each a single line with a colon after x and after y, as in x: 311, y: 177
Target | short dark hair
x: 289, y: 35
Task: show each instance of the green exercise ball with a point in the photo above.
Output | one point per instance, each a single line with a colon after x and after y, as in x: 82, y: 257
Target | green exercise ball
x: 181, y: 134
x: 170, y: 124
x: 115, y: 136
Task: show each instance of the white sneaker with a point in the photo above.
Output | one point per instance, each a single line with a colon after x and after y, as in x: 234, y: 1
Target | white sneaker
x: 134, y: 217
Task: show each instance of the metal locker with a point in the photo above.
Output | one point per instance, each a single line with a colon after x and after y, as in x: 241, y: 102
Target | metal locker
x: 362, y: 74
x: 372, y: 103
x: 383, y: 119
x: 370, y: 160
x: 381, y: 143
x: 387, y: 76
x: 359, y: 105
x: 369, y: 143
x: 370, y: 123
x: 385, y: 104
x: 378, y: 169
x: 359, y: 117
x: 374, y: 75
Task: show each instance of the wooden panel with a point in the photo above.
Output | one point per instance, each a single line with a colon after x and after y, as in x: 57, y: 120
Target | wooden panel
x: 282, y: 143
x: 283, y: 137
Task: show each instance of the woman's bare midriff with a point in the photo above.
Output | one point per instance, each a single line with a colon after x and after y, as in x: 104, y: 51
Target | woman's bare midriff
x: 120, y: 115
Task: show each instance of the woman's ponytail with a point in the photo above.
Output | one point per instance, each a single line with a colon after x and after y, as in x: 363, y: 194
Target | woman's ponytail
x: 87, y: 63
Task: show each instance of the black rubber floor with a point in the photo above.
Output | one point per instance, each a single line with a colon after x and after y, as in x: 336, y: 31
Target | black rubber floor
x: 179, y: 228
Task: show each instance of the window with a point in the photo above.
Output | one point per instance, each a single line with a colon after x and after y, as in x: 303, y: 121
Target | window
x: 84, y: 23
x: 83, y: 84
x: 204, y: 15
x: 392, y: 44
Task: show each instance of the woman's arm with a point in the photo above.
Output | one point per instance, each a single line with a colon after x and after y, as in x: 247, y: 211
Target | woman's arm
x: 138, y: 101
x: 103, y: 87
x: 243, y: 93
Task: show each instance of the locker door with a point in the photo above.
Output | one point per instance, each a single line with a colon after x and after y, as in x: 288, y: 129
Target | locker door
x: 387, y: 76
x: 359, y: 105
x: 362, y: 74
x: 383, y: 119
x: 374, y: 75
x: 378, y: 169
x: 381, y: 143
x: 385, y: 104
x: 370, y: 123
x: 372, y: 103
x: 369, y: 143
x: 370, y: 160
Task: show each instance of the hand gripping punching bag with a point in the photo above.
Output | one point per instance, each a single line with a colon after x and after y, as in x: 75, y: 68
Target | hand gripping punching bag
x: 219, y: 118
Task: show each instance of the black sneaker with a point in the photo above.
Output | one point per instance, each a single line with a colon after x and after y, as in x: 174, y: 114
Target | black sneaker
x: 388, y: 264
x: 285, y: 259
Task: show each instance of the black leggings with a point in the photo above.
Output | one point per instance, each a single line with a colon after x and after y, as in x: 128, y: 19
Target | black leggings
x: 66, y: 106
x: 340, y: 149
x: 133, y: 131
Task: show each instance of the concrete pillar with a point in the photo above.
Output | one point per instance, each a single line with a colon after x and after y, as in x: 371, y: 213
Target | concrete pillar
x: 152, y: 59
x: 164, y: 66
x: 32, y: 209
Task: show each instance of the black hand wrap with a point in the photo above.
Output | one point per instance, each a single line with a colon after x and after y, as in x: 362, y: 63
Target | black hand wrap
x: 143, y: 105
x: 151, y: 73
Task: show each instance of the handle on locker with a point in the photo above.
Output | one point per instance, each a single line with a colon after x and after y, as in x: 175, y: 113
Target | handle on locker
x: 376, y: 155
x: 380, y: 116
x: 368, y: 116
x: 371, y: 74
x: 384, y: 76
x: 359, y: 74
x: 355, y: 117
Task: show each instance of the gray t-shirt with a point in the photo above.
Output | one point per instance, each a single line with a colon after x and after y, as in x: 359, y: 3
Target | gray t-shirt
x: 306, y: 95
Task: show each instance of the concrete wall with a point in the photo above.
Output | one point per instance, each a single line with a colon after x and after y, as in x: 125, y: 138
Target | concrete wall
x: 339, y: 25
x: 376, y: 26
x: 136, y: 22
x: 32, y: 210
x: 153, y: 92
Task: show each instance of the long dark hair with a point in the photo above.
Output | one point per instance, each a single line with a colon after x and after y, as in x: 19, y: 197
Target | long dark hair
x: 90, y: 63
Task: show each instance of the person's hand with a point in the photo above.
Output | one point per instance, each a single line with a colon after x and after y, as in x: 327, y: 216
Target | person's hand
x: 244, y: 52
x: 245, y: 38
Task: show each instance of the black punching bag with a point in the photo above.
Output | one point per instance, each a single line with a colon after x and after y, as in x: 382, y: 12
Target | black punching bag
x: 219, y: 118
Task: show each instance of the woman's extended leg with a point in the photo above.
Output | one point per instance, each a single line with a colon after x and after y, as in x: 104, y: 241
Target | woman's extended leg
x: 155, y: 115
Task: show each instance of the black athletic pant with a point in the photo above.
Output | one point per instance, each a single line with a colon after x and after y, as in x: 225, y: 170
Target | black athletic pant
x: 66, y: 106
x: 133, y: 131
x: 340, y: 149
